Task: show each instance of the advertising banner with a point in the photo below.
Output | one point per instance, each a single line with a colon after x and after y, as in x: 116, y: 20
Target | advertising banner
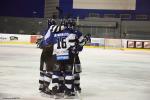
x: 147, y: 45
x: 130, y: 44
x: 139, y: 44
x: 105, y: 4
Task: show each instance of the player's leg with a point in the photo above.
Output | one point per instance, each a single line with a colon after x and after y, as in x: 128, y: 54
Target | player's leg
x: 55, y: 79
x: 69, y: 80
x: 77, y: 71
x: 61, y: 82
x: 42, y: 71
x: 49, y: 67
x: 47, y: 80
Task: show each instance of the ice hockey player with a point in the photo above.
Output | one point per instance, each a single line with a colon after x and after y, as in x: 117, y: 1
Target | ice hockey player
x: 81, y: 41
x: 66, y: 45
x: 45, y: 76
x: 46, y: 63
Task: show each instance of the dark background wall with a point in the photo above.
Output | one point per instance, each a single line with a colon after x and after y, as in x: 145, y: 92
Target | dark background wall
x: 22, y: 8
x: 35, y: 8
x: 35, y: 23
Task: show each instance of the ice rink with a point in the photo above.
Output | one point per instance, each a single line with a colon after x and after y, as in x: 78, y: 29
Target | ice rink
x: 107, y: 74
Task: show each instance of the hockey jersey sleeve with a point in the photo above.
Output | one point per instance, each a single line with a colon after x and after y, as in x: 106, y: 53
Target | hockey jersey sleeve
x: 79, y: 40
x: 49, y: 34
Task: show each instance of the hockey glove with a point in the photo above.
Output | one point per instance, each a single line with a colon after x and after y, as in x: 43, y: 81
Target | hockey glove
x: 75, y: 49
x: 87, y: 37
x: 40, y: 43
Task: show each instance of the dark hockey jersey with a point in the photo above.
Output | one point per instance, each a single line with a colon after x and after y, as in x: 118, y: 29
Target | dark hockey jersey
x: 62, y: 42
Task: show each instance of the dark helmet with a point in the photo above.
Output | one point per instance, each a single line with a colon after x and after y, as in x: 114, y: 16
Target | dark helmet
x: 51, y: 22
x: 71, y: 23
x: 63, y: 22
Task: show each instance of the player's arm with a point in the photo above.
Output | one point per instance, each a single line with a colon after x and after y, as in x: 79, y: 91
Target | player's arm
x: 82, y: 40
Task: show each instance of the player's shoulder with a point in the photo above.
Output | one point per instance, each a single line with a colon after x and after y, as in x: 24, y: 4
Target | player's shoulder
x: 77, y: 32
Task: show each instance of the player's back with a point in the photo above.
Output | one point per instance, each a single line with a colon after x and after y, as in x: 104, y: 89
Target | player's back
x: 62, y: 42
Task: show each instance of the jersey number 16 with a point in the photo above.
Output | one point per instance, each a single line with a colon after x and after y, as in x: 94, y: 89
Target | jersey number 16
x: 61, y: 43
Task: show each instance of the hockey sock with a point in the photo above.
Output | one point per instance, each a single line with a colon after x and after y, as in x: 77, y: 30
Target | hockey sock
x: 55, y: 82
x: 61, y: 83
x: 69, y: 81
x: 41, y: 79
x: 77, y: 81
x: 47, y: 78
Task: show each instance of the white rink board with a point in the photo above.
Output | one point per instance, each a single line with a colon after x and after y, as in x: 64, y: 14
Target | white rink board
x: 20, y: 38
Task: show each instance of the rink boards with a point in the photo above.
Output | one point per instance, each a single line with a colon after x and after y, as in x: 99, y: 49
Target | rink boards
x: 18, y: 38
x: 95, y: 42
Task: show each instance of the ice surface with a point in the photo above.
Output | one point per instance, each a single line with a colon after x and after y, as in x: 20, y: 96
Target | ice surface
x: 107, y: 74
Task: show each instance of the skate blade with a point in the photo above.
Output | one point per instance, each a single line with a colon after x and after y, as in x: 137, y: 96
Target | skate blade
x: 46, y: 95
x: 79, y: 95
x: 70, y: 97
x: 56, y: 97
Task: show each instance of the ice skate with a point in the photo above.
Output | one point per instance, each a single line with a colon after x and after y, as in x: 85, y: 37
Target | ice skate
x: 55, y: 92
x: 41, y: 87
x: 48, y: 91
x: 69, y: 95
x: 78, y: 88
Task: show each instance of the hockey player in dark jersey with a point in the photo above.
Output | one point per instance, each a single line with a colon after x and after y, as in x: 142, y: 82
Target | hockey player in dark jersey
x: 70, y: 24
x: 75, y: 62
x: 65, y: 48
x: 64, y: 42
x: 46, y: 63
x: 45, y: 66
x: 82, y: 40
